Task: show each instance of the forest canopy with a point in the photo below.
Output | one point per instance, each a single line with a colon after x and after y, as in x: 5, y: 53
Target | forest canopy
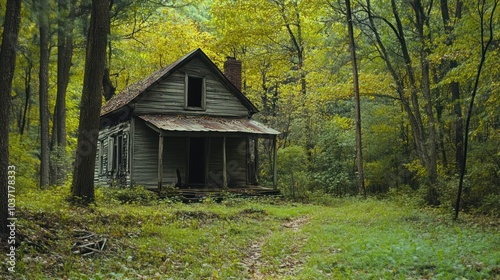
x: 418, y: 62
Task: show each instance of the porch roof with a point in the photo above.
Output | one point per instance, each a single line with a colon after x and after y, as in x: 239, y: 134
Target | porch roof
x: 184, y: 123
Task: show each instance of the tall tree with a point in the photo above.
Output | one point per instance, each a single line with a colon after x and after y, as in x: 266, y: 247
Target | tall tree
x: 408, y: 84
x: 64, y: 58
x: 357, y: 109
x: 454, y: 85
x: 88, y: 130
x: 43, y: 75
x: 486, y: 26
x: 7, y: 65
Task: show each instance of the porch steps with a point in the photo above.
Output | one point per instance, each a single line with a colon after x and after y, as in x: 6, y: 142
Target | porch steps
x: 218, y: 194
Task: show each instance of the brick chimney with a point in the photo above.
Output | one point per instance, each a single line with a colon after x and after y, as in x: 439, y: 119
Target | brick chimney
x: 232, y: 71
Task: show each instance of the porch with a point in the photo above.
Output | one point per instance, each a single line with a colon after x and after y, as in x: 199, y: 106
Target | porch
x: 204, y: 155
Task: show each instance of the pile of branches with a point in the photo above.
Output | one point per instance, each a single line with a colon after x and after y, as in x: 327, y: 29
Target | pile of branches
x: 86, y: 243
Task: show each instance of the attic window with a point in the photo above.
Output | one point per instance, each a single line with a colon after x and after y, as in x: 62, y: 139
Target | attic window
x: 195, y: 93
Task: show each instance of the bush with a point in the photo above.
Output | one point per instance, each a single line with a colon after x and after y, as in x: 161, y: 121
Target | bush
x: 325, y: 199
x: 134, y: 195
x: 405, y: 195
x: 491, y: 205
x: 293, y: 176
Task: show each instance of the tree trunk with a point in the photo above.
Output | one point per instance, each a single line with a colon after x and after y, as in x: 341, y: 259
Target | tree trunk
x: 88, y: 131
x: 7, y: 65
x: 64, y: 58
x: 359, y: 146
x: 410, y: 103
x: 484, y: 49
x: 454, y: 86
x: 44, y: 96
x: 422, y: 24
x: 27, y: 97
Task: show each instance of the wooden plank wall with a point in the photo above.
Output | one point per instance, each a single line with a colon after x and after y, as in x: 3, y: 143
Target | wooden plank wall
x: 145, y: 159
x: 174, y: 156
x: 215, y: 163
x: 102, y: 177
x: 236, y: 161
x: 167, y: 97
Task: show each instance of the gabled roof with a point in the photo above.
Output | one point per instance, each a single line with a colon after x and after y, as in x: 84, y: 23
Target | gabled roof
x: 133, y: 91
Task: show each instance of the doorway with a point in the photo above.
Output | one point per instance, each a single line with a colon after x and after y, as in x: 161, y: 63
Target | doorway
x: 196, y: 161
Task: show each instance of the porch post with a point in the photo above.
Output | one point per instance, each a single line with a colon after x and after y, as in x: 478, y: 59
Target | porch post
x: 256, y: 153
x: 275, y: 171
x: 160, y: 162
x: 224, y: 163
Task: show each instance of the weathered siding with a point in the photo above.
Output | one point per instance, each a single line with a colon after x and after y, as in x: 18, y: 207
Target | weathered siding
x: 215, y: 177
x: 236, y: 161
x: 168, y: 95
x: 236, y: 157
x: 103, y: 173
x: 174, y: 157
x: 145, y: 158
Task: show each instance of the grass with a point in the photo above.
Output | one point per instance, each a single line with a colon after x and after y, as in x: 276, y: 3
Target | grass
x: 252, y: 238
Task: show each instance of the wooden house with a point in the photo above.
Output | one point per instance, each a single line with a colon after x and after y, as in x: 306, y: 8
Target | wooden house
x: 186, y: 125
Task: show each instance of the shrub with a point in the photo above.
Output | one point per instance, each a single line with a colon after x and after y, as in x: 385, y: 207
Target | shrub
x: 134, y: 195
x: 292, y: 166
x: 491, y: 205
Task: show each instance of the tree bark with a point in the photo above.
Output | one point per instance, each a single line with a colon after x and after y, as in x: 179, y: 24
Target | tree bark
x: 7, y: 65
x: 64, y: 58
x: 357, y: 109
x: 27, y: 97
x: 44, y: 95
x: 88, y: 131
x: 422, y: 24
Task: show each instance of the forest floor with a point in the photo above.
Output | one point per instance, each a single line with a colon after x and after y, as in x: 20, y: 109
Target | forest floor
x: 265, y: 238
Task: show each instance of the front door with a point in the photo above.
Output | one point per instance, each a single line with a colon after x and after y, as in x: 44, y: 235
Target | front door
x: 196, y: 161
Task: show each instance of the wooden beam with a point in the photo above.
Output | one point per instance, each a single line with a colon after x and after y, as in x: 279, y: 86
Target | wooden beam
x: 248, y: 158
x: 256, y: 151
x: 224, y: 163
x: 160, y: 162
x: 275, y: 160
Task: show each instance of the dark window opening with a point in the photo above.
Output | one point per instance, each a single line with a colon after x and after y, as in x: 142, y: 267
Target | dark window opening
x: 119, y: 149
x: 195, y: 92
x: 116, y: 153
x: 197, y: 160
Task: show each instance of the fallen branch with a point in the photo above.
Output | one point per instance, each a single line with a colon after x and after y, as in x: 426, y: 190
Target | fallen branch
x: 87, y: 243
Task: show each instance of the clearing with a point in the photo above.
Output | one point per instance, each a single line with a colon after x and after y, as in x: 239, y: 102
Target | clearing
x: 265, y: 238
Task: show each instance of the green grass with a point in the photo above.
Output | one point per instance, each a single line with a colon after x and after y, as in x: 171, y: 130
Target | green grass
x: 252, y: 238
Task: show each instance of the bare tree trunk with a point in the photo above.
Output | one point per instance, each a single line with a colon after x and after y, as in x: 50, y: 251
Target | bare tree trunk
x: 7, y: 65
x: 359, y: 146
x: 44, y: 95
x: 88, y: 130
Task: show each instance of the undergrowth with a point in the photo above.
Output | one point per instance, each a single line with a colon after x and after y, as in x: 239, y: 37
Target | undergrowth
x: 150, y: 238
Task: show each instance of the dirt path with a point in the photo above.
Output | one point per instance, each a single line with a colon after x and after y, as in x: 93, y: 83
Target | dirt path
x: 290, y: 263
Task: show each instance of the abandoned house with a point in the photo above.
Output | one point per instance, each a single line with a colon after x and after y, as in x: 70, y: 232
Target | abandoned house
x: 187, y: 125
